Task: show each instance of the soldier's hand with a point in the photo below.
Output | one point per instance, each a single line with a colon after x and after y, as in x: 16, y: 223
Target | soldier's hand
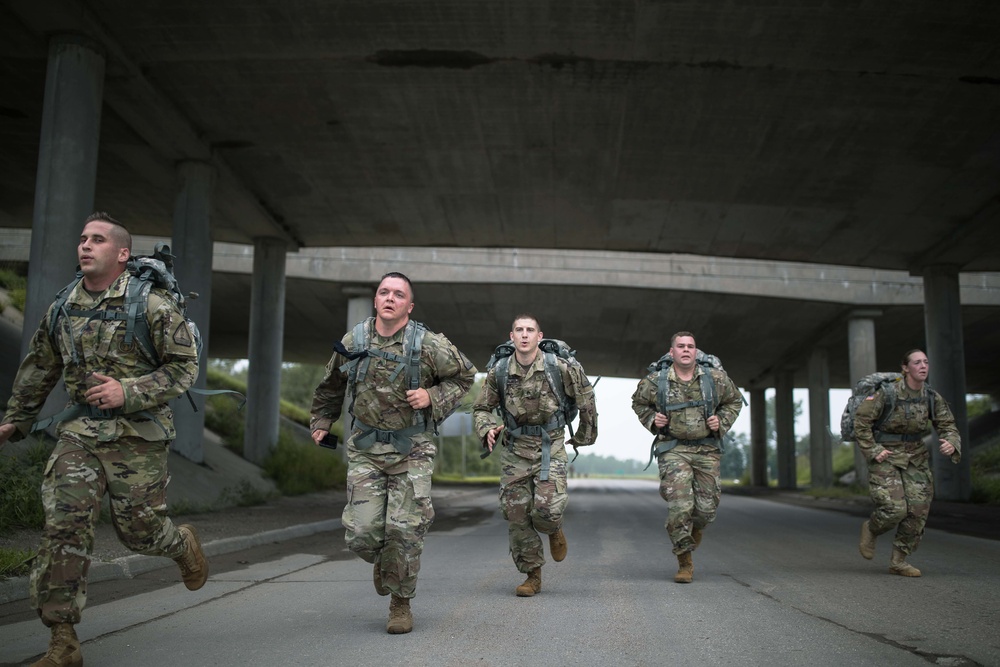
x: 6, y: 431
x: 418, y: 398
x: 318, y: 435
x: 713, y: 423
x: 947, y: 448
x: 661, y: 420
x: 882, y: 456
x: 491, y: 437
x: 107, y: 394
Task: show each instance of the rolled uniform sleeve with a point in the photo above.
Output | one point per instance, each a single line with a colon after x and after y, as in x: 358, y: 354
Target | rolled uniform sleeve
x: 944, y: 422
x: 328, y: 398
x: 730, y: 402
x: 452, y: 375
x: 483, y: 410
x: 644, y: 403
x: 577, y: 385
x: 38, y: 374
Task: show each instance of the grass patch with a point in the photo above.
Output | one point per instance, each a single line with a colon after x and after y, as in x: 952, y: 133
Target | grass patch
x: 299, y: 467
x: 986, y: 475
x: 14, y: 563
x: 16, y: 286
x: 21, y: 489
x: 246, y: 494
x: 456, y: 478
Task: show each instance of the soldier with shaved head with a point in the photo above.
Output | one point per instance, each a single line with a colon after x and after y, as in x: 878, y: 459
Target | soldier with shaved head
x: 114, y: 436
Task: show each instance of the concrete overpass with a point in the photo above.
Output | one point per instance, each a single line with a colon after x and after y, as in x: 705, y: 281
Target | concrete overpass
x: 863, y: 137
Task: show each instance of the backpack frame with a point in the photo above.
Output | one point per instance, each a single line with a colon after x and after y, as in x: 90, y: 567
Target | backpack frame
x: 867, y: 386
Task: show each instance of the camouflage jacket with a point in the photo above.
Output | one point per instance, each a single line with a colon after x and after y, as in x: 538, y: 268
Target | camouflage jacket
x: 909, y: 416
x: 380, y: 401
x: 687, y: 423
x: 99, y: 347
x: 531, y: 400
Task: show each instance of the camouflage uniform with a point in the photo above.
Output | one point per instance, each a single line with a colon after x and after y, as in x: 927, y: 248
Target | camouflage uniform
x: 389, y: 508
x: 689, y: 467
x: 902, y: 486
x: 529, y: 504
x: 124, y: 455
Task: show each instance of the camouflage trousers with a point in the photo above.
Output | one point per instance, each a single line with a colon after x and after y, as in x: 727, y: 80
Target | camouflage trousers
x: 388, y: 512
x: 689, y: 482
x: 530, y: 505
x: 133, y: 472
x: 902, y: 498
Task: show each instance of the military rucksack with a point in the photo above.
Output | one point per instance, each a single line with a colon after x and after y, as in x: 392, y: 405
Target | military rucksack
x: 866, y: 387
x: 709, y: 394
x: 550, y: 349
x: 145, y: 273
x: 357, y: 369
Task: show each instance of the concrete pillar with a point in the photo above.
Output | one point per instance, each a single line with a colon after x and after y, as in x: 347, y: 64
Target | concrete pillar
x: 820, y: 450
x: 192, y: 246
x: 67, y: 169
x: 360, y: 306
x: 267, y: 331
x: 758, y: 437
x: 861, y: 361
x: 784, y: 422
x: 946, y: 352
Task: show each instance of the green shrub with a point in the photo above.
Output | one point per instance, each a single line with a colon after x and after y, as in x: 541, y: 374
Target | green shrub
x: 20, y: 489
x: 224, y: 417
x: 14, y: 563
x: 16, y: 286
x: 299, y: 467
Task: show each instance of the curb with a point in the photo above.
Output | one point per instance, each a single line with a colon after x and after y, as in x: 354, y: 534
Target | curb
x: 129, y: 567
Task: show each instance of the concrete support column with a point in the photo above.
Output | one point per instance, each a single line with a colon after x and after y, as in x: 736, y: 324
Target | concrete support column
x: 861, y: 362
x: 267, y: 332
x: 67, y: 169
x: 758, y: 437
x: 784, y: 422
x: 820, y: 450
x: 360, y: 306
x: 946, y: 352
x: 192, y: 246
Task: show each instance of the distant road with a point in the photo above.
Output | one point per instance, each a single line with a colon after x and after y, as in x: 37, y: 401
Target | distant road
x: 775, y: 584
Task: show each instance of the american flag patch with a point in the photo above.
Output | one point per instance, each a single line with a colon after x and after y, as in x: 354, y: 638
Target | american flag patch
x: 870, y: 397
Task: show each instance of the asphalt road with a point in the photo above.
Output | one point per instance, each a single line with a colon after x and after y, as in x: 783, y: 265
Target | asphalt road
x: 775, y: 584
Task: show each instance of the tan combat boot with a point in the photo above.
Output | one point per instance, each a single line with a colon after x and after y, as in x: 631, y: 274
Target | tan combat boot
x: 193, y: 564
x: 64, y: 648
x: 898, y: 565
x: 400, y: 618
x: 867, y: 544
x: 377, y: 579
x: 696, y: 535
x: 685, y: 568
x: 531, y: 585
x: 557, y: 545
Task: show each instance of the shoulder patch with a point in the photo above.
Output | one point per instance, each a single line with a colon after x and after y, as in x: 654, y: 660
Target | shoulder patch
x: 182, y: 336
